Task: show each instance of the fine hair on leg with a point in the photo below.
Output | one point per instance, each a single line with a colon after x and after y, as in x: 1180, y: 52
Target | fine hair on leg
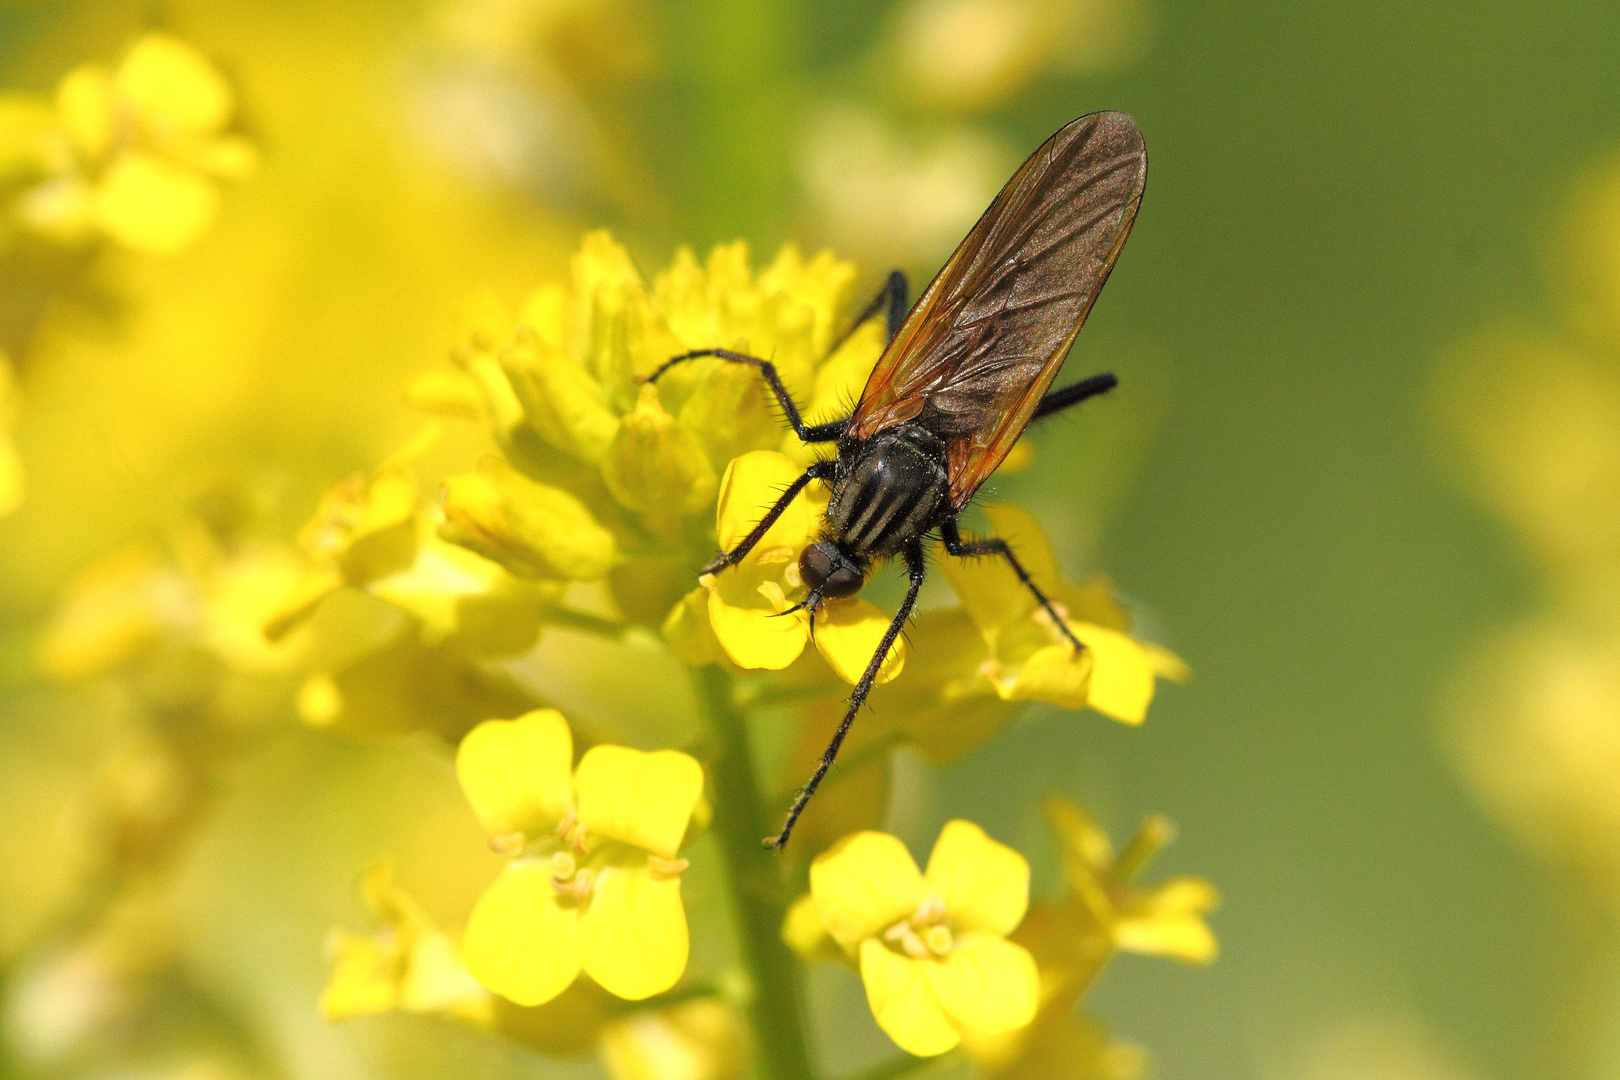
x: 915, y: 571
x: 951, y: 533
x: 810, y: 433
x: 821, y: 470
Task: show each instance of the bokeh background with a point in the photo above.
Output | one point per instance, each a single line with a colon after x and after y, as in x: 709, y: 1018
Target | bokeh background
x: 1363, y: 471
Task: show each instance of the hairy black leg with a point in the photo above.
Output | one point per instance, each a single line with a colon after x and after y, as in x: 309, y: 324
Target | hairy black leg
x: 1058, y: 400
x: 915, y: 570
x: 821, y: 470
x: 891, y: 300
x: 810, y: 433
x: 954, y: 544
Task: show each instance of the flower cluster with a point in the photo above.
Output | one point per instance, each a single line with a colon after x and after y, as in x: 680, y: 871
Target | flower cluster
x: 133, y: 154
x: 589, y: 515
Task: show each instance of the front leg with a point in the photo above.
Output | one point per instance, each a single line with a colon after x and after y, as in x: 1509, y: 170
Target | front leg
x: 821, y: 470
x: 962, y: 549
x: 915, y: 570
x: 810, y: 433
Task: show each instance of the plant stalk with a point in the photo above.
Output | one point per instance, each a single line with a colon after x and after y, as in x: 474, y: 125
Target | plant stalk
x: 740, y: 824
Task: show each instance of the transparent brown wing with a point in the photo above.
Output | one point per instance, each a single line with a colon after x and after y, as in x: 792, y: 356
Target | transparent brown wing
x: 989, y: 334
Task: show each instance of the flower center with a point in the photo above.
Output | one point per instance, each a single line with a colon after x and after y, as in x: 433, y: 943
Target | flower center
x: 569, y: 878
x: 926, y: 933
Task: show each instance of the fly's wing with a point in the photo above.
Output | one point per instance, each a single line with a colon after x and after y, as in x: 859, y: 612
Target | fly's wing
x: 987, y: 338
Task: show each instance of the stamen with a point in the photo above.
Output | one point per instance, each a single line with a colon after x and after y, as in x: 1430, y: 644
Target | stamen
x: 930, y: 910
x: 507, y: 843
x: 939, y: 940
x: 563, y: 867
x: 665, y: 869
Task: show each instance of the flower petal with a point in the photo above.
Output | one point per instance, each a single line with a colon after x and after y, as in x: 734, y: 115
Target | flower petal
x: 1122, y: 677
x: 516, y: 772
x: 985, y: 885
x: 173, y: 88
x: 1054, y: 674
x: 756, y: 637
x: 638, y: 798
x: 154, y: 207
x: 863, y: 885
x: 903, y: 1003
x: 848, y: 634
x: 520, y: 942
x: 753, y: 482
x: 633, y: 938
x: 1167, y: 920
x: 987, y: 983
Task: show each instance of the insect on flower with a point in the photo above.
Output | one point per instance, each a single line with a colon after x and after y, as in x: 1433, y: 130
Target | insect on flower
x: 964, y: 373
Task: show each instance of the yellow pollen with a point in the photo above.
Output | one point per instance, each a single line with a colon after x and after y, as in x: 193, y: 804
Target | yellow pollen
x: 780, y: 553
x: 566, y: 825
x: 790, y: 574
x: 507, y: 843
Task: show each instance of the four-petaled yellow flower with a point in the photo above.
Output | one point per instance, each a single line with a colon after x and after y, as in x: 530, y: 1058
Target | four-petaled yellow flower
x: 134, y: 153
x: 594, y: 879
x: 747, y: 606
x: 932, y: 947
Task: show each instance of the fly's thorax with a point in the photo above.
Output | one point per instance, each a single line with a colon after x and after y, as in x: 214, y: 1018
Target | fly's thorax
x: 889, y: 489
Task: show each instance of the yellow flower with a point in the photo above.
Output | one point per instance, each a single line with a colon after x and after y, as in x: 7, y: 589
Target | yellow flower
x: 747, y: 605
x: 702, y: 1039
x: 932, y: 946
x: 594, y: 879
x: 1166, y: 919
x: 534, y: 530
x: 409, y: 965
x: 1029, y: 660
x: 134, y: 153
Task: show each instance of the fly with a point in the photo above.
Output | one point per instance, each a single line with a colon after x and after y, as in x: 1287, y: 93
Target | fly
x: 964, y: 373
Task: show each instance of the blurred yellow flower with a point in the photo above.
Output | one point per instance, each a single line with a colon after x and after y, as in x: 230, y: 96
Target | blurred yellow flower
x: 932, y: 946
x: 594, y: 879
x: 975, y: 54
x: 134, y: 153
x: 409, y: 964
x: 747, y: 605
x: 1166, y: 919
x: 702, y: 1039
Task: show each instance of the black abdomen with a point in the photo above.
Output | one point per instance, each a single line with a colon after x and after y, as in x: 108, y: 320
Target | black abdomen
x: 888, y: 490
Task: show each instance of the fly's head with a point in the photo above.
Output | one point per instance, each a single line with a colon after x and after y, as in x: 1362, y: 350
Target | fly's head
x: 829, y: 573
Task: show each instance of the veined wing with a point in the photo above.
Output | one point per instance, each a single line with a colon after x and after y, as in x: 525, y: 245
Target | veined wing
x: 988, y: 336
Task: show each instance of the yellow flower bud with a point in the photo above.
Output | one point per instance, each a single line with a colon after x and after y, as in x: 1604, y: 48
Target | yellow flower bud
x: 656, y: 468
x: 561, y: 401
x: 531, y: 529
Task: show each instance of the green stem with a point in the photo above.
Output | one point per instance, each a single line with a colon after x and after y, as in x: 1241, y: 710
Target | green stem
x: 756, y: 886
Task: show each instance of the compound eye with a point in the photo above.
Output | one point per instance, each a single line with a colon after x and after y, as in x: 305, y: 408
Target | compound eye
x: 815, y: 564
x: 842, y: 582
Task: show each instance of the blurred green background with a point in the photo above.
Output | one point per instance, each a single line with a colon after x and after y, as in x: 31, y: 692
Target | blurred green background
x: 1340, y: 198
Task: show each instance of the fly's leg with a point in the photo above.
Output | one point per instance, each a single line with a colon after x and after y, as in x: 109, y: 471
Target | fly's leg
x: 810, y: 433
x: 891, y: 300
x: 1058, y: 400
x: 821, y: 470
x: 955, y: 545
x: 915, y: 570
